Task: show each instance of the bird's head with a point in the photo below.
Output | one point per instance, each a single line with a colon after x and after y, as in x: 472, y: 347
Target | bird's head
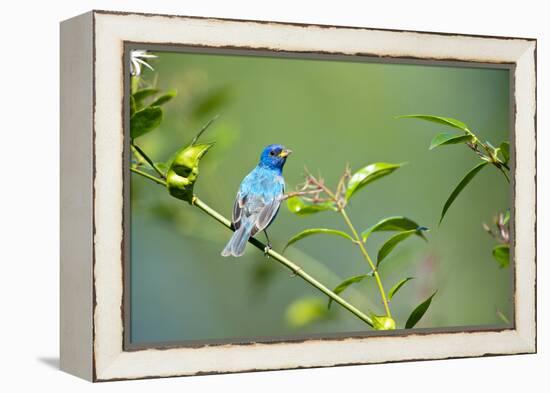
x: 274, y: 156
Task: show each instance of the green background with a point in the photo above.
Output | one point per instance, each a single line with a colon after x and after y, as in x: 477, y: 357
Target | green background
x: 329, y: 113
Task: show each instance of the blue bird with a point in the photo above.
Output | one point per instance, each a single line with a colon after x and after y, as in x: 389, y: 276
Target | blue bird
x: 258, y: 199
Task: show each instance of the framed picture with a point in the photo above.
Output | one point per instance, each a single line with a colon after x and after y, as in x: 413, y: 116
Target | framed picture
x: 245, y: 195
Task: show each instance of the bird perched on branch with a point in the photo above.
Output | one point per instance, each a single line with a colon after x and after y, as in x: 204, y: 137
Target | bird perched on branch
x: 258, y: 199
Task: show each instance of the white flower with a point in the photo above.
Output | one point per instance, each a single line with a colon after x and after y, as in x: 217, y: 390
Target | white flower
x: 137, y: 59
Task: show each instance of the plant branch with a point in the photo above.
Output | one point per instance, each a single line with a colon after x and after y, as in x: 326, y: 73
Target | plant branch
x: 340, y: 204
x: 294, y: 268
x: 149, y: 161
x: 490, y: 156
x: 148, y: 176
x: 320, y: 184
x: 304, y: 193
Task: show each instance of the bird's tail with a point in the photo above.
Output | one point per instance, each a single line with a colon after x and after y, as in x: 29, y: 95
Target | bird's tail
x: 236, y: 245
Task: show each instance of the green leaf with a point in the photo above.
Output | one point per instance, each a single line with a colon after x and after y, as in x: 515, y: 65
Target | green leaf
x: 506, y: 217
x: 163, y: 99
x: 369, y: 174
x: 299, y: 207
x: 345, y: 284
x: 314, y: 231
x: 419, y: 312
x: 449, y: 139
x: 141, y: 95
x: 211, y: 102
x: 305, y: 311
x: 505, y: 151
x: 398, y: 286
x: 145, y: 121
x: 134, y: 84
x: 381, y: 322
x: 501, y: 253
x: 132, y: 106
x: 393, y: 241
x: 448, y: 121
x: 397, y: 223
x: 463, y: 183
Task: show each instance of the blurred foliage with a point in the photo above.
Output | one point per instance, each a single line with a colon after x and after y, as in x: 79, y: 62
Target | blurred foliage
x: 501, y: 233
x: 305, y: 311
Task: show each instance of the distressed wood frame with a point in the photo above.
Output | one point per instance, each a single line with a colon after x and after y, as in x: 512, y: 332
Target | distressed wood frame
x: 92, y: 194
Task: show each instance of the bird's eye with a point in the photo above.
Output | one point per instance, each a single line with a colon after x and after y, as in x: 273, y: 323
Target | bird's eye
x: 272, y: 153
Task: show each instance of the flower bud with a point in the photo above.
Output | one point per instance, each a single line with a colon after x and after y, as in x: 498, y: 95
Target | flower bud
x: 184, y: 170
x: 383, y: 323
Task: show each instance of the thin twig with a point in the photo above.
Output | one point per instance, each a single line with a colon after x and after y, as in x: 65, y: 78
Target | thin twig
x: 293, y: 194
x: 204, y: 128
x: 149, y: 161
x: 488, y: 229
x: 320, y: 183
x: 148, y: 176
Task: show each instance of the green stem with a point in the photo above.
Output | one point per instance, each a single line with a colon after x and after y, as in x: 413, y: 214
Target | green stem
x: 148, y: 176
x: 135, y: 83
x: 149, y: 161
x: 361, y: 245
x: 503, y: 172
x: 294, y: 268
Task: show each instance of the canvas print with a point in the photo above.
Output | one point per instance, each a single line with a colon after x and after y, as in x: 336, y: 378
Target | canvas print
x: 277, y: 197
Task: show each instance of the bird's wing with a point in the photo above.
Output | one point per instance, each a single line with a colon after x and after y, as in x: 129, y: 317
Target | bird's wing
x: 266, y: 215
x: 269, y: 209
x: 240, y: 205
x: 238, y: 210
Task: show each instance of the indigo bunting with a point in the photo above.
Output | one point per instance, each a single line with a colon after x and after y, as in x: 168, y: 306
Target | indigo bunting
x: 258, y: 199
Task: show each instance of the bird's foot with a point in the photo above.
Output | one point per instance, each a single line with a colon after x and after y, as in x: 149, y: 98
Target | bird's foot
x: 267, y: 249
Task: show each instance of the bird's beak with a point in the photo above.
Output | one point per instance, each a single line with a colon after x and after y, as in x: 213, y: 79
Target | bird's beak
x: 285, y: 153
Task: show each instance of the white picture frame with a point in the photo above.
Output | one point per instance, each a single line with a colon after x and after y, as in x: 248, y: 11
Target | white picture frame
x: 92, y: 194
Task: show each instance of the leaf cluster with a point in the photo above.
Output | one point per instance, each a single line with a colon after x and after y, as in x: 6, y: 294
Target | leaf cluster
x: 315, y: 196
x: 181, y: 170
x: 486, y: 152
x: 146, y: 111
